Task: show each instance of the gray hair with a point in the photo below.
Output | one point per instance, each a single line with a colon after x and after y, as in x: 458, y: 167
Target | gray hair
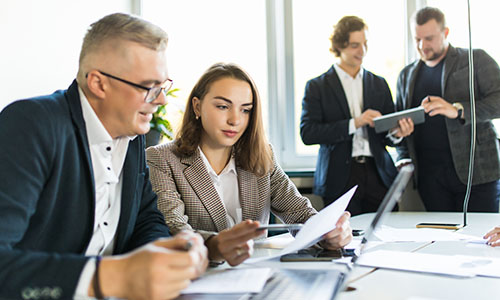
x: 121, y: 27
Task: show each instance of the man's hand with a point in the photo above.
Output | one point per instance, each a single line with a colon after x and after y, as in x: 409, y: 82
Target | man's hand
x: 340, y: 236
x: 404, y: 129
x: 188, y: 241
x: 493, y: 237
x: 434, y: 105
x: 366, y: 118
x: 159, y: 270
x: 234, y: 245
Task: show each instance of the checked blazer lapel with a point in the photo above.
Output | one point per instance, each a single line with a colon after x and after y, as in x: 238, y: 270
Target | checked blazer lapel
x: 199, y: 179
x: 250, y: 201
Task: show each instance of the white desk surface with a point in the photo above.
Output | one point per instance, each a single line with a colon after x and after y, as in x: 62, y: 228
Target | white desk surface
x: 370, y: 283
x: 388, y: 284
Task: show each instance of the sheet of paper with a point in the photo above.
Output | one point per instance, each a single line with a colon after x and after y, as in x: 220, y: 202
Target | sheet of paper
x: 230, y: 281
x: 480, y: 265
x: 391, y: 234
x: 275, y: 242
x: 315, y: 227
x: 416, y: 262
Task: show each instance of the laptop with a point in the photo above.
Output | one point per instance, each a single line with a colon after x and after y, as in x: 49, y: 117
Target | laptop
x: 327, y: 284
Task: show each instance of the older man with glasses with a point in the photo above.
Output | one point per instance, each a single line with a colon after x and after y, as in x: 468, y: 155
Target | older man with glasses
x: 75, y: 196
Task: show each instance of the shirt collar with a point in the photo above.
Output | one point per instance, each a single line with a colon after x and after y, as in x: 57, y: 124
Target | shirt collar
x: 230, y: 167
x: 344, y: 74
x: 96, y: 133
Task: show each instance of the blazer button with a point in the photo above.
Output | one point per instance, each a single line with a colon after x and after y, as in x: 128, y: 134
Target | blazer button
x: 56, y: 293
x: 347, y: 162
x: 26, y: 293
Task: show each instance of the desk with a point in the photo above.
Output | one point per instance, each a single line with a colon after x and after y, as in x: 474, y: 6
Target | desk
x: 387, y: 284
x: 370, y: 283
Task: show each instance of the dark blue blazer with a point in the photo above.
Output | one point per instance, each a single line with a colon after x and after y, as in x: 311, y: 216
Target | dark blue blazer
x: 325, y: 121
x: 47, y: 197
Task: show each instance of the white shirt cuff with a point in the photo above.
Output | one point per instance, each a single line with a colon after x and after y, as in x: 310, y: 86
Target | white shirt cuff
x: 352, y: 127
x: 82, y: 287
x: 394, y: 140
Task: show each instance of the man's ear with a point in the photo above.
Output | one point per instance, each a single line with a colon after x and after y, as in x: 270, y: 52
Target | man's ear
x: 446, y: 32
x: 196, y: 106
x: 96, y: 84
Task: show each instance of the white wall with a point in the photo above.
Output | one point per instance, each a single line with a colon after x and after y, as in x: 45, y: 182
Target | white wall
x: 41, y: 43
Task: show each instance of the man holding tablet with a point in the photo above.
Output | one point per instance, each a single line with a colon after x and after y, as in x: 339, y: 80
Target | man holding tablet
x: 338, y: 111
x: 439, y: 148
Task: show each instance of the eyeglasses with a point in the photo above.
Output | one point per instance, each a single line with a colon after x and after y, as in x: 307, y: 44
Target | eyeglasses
x: 153, y: 92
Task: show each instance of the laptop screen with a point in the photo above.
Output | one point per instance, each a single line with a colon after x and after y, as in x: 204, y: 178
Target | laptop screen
x: 391, y: 198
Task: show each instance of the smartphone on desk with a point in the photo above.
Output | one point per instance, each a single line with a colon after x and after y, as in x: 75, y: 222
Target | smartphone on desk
x: 440, y: 225
x: 316, y: 254
x: 312, y: 254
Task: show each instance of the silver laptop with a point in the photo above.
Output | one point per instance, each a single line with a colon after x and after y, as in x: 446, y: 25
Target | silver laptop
x: 316, y: 284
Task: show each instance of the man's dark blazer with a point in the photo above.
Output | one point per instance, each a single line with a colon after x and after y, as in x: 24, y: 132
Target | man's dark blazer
x: 455, y: 88
x: 47, y: 197
x: 325, y: 121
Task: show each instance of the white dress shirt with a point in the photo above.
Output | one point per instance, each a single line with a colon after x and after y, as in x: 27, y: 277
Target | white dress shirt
x: 353, y: 89
x: 108, y: 156
x: 226, y: 184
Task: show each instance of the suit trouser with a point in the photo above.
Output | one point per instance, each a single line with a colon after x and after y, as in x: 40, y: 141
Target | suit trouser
x: 441, y: 189
x: 371, y: 190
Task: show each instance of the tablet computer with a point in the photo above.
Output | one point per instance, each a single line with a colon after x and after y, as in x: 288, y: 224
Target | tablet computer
x: 390, y: 121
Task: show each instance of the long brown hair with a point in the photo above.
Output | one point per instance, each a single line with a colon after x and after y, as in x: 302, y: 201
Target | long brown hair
x: 251, y: 151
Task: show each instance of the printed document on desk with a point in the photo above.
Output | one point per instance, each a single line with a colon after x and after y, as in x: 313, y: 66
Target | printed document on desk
x: 315, y: 227
x: 416, y: 262
x: 391, y: 234
x: 230, y: 281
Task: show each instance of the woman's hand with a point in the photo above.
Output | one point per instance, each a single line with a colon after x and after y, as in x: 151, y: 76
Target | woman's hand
x: 340, y: 236
x: 234, y: 245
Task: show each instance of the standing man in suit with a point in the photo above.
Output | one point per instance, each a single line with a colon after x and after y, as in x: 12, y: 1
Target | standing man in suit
x: 74, y: 184
x: 338, y: 111
x: 440, y: 147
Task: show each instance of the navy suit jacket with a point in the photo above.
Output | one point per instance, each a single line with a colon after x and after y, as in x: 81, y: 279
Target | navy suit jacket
x: 325, y: 121
x: 47, y: 197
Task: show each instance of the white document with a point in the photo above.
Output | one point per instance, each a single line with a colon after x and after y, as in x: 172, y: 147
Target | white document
x: 481, y: 265
x: 230, y: 281
x: 275, y: 242
x: 417, y: 262
x: 391, y: 234
x: 315, y: 227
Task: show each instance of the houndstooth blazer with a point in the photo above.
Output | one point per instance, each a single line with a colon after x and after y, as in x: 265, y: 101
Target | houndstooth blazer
x: 188, y: 199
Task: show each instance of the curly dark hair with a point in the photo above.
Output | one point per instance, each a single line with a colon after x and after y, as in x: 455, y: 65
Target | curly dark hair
x: 341, y: 31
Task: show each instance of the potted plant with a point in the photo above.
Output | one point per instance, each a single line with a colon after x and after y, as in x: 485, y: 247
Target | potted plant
x: 160, y: 126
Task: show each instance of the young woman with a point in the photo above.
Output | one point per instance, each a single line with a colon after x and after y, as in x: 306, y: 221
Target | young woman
x: 220, y: 170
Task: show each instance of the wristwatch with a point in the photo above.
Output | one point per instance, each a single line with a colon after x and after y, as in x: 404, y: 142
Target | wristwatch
x: 460, y: 109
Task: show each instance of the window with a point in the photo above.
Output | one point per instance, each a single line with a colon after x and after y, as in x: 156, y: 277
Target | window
x: 42, y: 41
x: 202, y: 33
x: 311, y: 44
x: 483, y: 13
x: 282, y: 44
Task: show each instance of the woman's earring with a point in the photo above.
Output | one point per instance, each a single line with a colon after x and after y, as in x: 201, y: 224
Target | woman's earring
x: 197, y: 117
